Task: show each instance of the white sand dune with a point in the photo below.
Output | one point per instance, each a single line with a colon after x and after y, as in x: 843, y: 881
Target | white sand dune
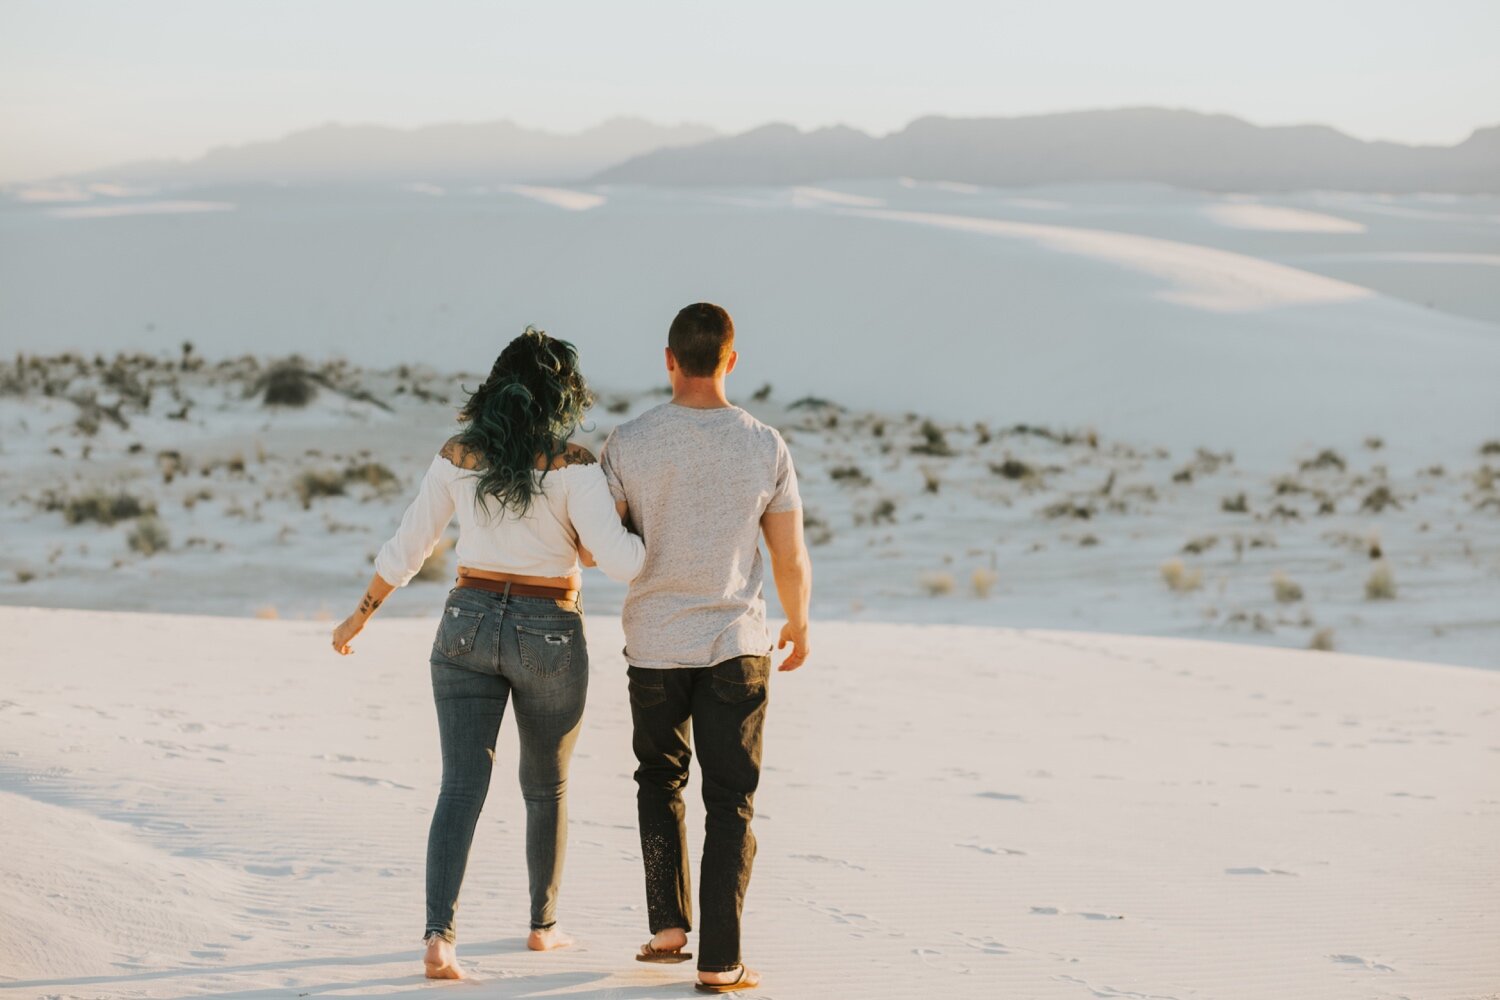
x: 805, y: 196
x: 1197, y: 276
x: 1278, y: 218
x: 573, y: 201
x: 220, y: 807
x: 178, y: 207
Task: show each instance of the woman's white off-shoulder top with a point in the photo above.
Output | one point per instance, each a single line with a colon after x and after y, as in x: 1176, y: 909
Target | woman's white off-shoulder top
x: 574, y: 507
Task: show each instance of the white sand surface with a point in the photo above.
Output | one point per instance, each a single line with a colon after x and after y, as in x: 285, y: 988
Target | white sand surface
x: 221, y: 807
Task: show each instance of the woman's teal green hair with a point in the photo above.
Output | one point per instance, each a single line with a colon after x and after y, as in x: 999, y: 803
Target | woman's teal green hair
x: 532, y: 402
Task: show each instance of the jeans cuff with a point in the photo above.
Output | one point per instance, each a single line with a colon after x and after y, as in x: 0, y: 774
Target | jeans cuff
x: 446, y: 933
x: 719, y: 968
x: 544, y: 927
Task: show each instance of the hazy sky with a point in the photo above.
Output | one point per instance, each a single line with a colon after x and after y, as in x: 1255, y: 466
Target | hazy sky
x: 87, y: 83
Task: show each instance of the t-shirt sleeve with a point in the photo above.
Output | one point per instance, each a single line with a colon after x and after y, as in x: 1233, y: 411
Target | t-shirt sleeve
x: 609, y: 461
x: 784, y: 496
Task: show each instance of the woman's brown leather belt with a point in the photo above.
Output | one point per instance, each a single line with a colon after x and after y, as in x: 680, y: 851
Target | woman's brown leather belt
x: 517, y: 589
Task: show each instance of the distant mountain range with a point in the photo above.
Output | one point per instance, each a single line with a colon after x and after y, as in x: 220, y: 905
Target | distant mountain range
x: 1180, y: 148
x: 488, y: 151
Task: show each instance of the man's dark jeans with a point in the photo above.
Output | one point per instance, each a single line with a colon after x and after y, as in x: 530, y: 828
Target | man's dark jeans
x: 725, y: 704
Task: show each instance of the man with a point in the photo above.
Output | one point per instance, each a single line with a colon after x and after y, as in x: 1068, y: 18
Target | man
x: 701, y: 480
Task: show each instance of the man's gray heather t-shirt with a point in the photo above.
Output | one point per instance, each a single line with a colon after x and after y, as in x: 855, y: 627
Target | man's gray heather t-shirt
x: 697, y: 482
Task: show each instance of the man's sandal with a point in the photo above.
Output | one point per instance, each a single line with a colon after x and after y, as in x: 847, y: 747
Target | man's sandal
x: 664, y: 956
x: 747, y: 981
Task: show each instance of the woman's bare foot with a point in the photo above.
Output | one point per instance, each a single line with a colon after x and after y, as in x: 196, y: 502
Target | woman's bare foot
x: 548, y: 939
x: 441, y: 959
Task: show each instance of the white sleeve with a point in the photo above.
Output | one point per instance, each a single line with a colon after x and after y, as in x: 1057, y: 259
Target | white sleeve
x: 592, y: 510
x: 421, y: 526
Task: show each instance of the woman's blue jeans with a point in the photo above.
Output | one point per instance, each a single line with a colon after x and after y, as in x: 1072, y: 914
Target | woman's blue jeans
x: 490, y: 649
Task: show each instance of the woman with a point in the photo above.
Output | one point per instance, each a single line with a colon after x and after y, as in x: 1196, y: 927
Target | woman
x: 527, y: 503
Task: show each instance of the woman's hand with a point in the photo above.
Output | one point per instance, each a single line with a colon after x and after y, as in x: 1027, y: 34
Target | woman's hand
x: 585, y: 557
x: 345, y: 633
x: 350, y: 627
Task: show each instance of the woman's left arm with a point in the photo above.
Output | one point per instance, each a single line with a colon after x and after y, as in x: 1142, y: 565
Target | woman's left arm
x: 375, y: 595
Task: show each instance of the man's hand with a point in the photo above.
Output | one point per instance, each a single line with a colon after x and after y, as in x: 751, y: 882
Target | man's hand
x: 797, y: 636
x: 345, y: 633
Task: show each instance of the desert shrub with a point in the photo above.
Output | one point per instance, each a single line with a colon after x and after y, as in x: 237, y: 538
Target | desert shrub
x: 1322, y: 640
x: 1068, y: 509
x: 1381, y: 583
x: 983, y: 581
x: 1285, y: 590
x: 1379, y: 499
x: 435, y: 567
x: 934, y: 441
x: 762, y: 394
x: 1490, y: 447
x: 1198, y: 546
x: 931, y: 481
x: 24, y: 575
x: 1325, y: 460
x: 885, y: 510
x: 149, y: 536
x: 99, y: 505
x: 618, y: 405
x: 851, y: 475
x: 1013, y: 468
x: 1236, y: 504
x: 1088, y: 541
x: 816, y: 529
x: 936, y: 584
x: 313, y: 484
x: 286, y: 384
x: 371, y: 474
x: 1179, y: 578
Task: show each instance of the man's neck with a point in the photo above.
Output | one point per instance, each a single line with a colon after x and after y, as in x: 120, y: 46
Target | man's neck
x: 705, y: 395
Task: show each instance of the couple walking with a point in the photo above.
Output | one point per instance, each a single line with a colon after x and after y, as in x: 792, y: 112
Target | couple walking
x: 676, y: 505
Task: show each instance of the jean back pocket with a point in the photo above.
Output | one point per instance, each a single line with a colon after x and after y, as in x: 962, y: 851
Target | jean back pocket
x: 458, y: 632
x: 546, y: 652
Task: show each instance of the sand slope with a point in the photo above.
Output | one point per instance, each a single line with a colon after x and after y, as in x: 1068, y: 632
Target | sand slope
x: 220, y: 807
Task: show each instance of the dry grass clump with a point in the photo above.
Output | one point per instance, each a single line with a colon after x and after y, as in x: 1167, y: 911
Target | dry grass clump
x: 983, y: 581
x: 372, y: 474
x: 149, y: 536
x: 1198, y: 546
x: 1322, y: 640
x: 1379, y: 499
x: 313, y: 484
x: 937, y: 584
x: 931, y: 480
x: 885, y: 511
x: 1327, y: 459
x: 1068, y: 509
x: 267, y: 612
x: 1179, y: 578
x: 1381, y: 583
x: 1285, y: 589
x: 934, y: 442
x: 849, y: 475
x: 100, y: 506
x: 816, y: 529
x: 435, y: 566
x: 1488, y: 448
x: 1013, y: 468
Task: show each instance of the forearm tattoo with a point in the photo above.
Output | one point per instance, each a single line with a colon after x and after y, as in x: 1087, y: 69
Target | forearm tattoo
x: 368, y: 605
